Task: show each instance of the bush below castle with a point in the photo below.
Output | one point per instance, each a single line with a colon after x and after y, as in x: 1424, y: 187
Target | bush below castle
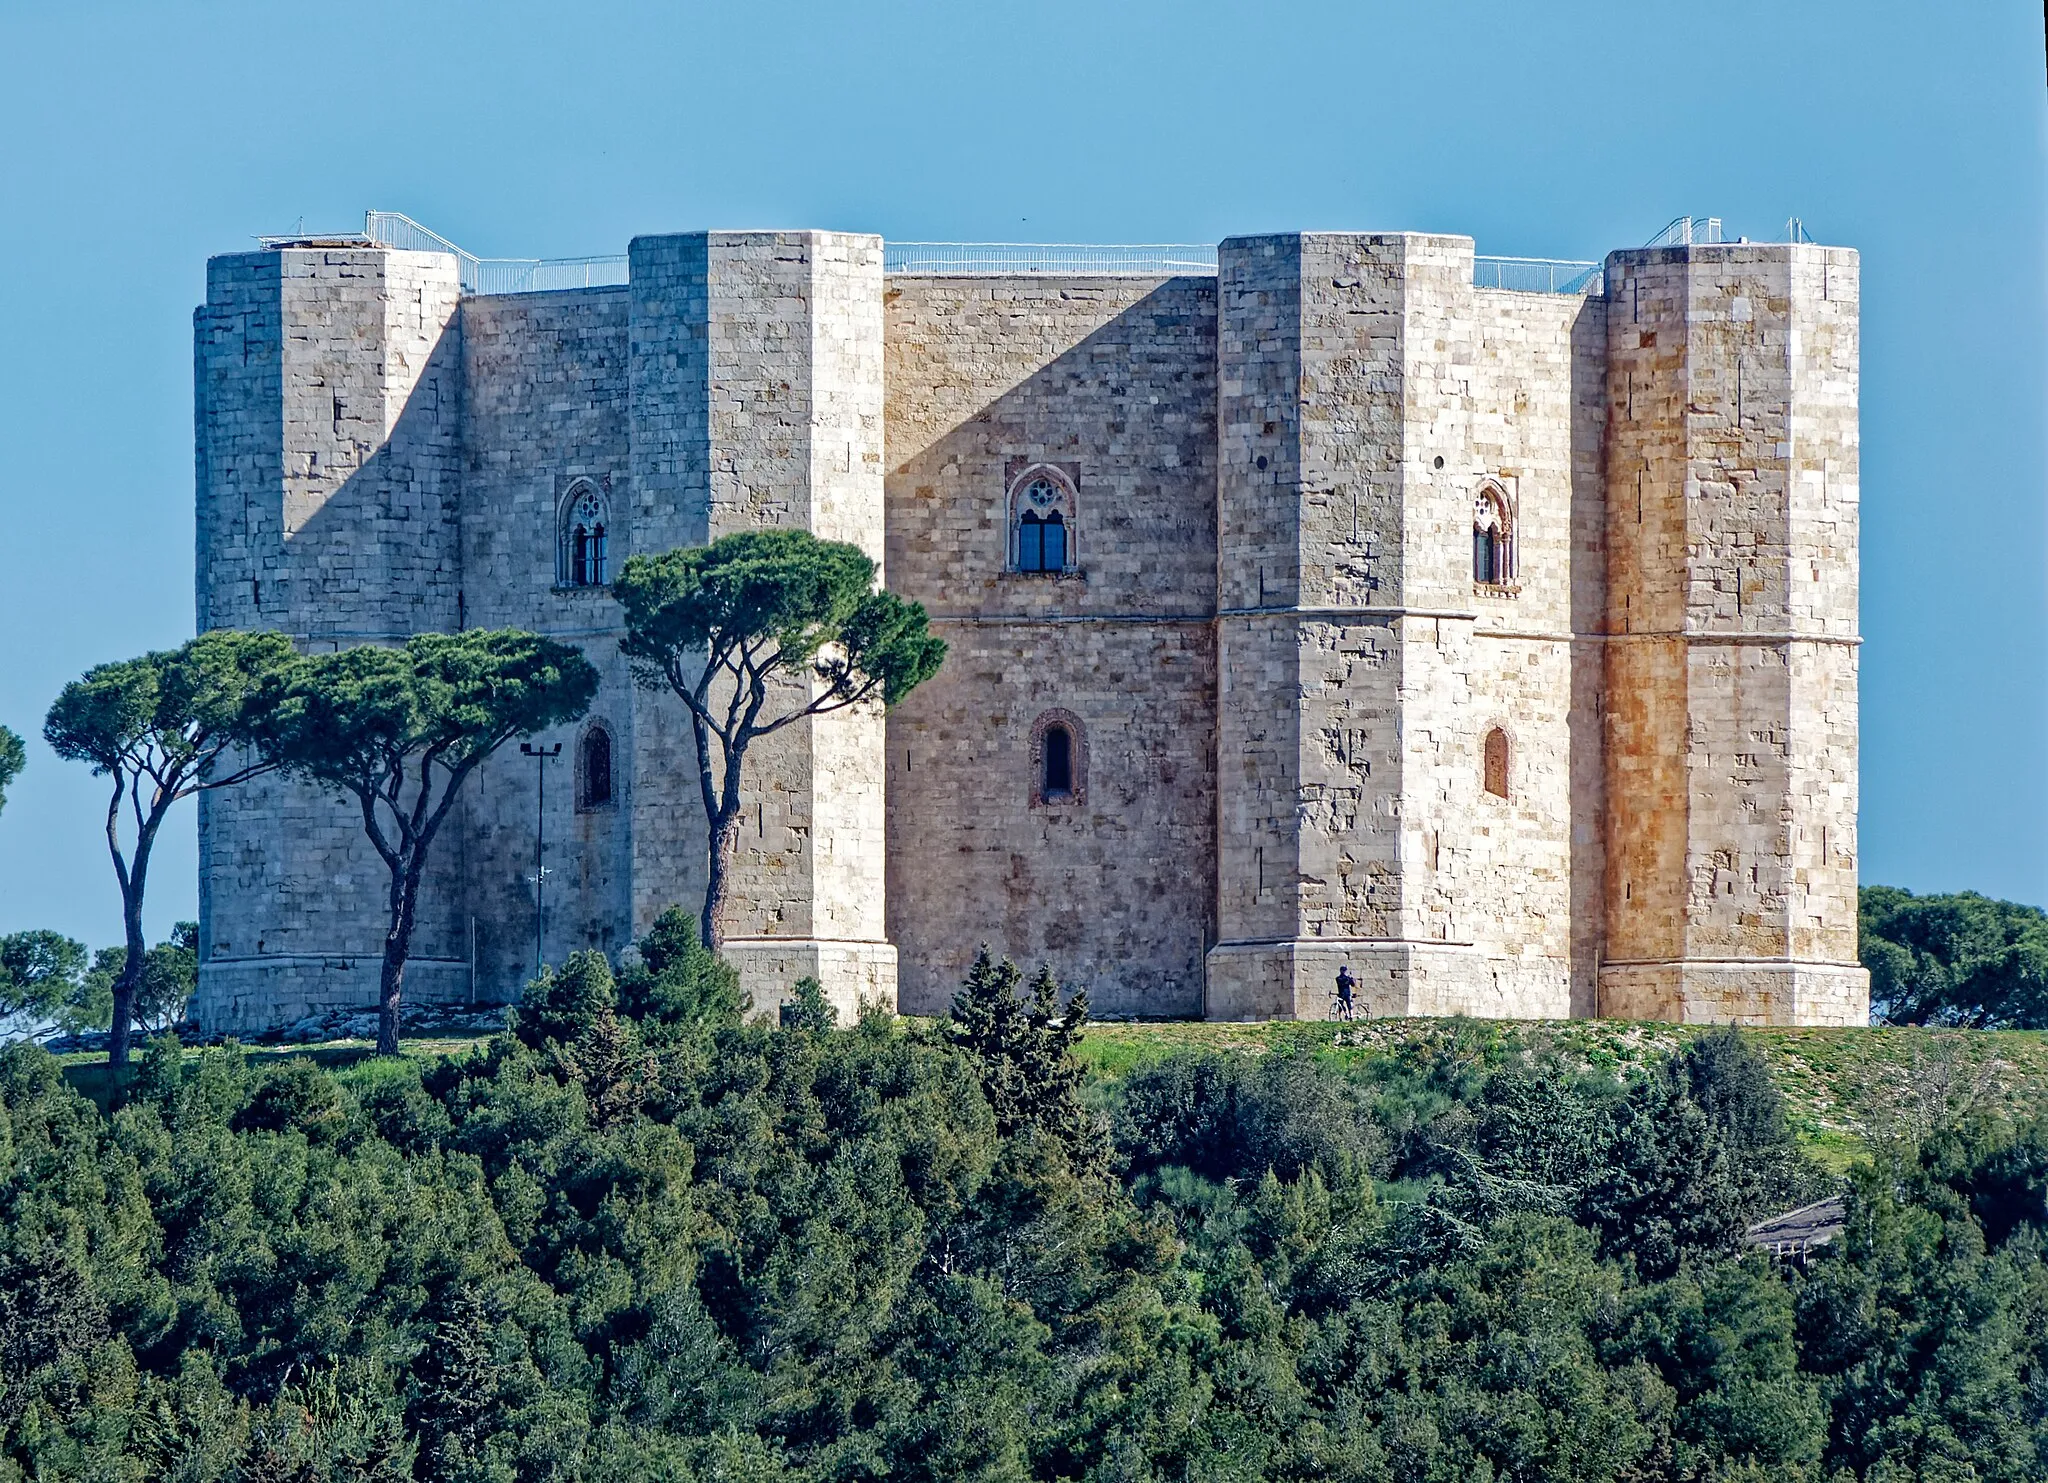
x: 633, y: 1239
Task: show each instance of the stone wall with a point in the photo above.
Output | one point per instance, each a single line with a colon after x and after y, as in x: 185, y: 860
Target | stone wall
x: 1538, y: 398
x: 1112, y: 382
x: 547, y: 402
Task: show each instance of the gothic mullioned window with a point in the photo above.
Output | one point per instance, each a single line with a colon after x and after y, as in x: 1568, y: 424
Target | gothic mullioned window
x: 1493, y: 537
x: 584, y: 559
x: 1042, y: 521
x: 594, y: 769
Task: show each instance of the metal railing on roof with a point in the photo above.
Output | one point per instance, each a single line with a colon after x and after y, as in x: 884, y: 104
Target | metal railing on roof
x: 495, y: 275
x: 1157, y: 259
x: 1697, y: 231
x: 1688, y: 231
x: 1001, y: 259
x: 510, y: 275
x: 1537, y: 275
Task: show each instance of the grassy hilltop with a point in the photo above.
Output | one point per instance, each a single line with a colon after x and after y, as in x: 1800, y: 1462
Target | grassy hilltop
x: 1841, y: 1086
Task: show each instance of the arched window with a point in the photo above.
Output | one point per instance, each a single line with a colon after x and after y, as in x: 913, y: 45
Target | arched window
x: 1059, y: 760
x: 1497, y: 763
x: 584, y: 556
x: 1042, y: 521
x: 1056, y: 779
x: 594, y: 769
x: 1493, y: 537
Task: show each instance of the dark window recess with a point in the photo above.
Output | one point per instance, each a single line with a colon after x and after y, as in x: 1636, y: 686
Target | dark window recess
x: 595, y: 769
x: 1042, y: 543
x: 584, y: 558
x: 1497, y: 763
x: 587, y: 556
x: 1058, y: 781
x: 1486, y: 556
x: 1493, y: 539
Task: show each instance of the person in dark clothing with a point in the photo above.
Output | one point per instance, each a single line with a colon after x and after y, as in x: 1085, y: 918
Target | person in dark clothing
x: 1346, y: 986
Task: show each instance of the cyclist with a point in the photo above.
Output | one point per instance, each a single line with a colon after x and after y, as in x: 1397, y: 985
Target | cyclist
x: 1346, y: 984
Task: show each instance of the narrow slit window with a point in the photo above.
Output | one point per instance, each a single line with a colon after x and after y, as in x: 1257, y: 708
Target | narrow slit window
x: 1059, y: 763
x: 1497, y: 762
x: 594, y: 769
x: 1053, y: 534
x: 1030, y: 543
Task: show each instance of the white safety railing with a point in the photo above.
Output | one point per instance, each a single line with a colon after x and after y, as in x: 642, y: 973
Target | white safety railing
x: 495, y: 275
x: 995, y: 259
x: 1688, y: 231
x: 511, y: 275
x: 1157, y: 259
x: 1537, y: 275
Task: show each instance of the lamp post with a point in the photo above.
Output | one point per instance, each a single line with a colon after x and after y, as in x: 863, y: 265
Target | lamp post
x: 540, y: 835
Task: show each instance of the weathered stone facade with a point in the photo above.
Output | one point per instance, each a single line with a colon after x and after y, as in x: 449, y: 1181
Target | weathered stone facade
x: 1275, y: 645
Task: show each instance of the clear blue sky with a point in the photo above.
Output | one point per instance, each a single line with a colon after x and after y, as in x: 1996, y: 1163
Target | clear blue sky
x: 137, y: 139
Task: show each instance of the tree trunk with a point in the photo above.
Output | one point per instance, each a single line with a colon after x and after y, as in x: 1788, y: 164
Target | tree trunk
x: 133, y: 881
x: 131, y: 971
x: 397, y: 942
x: 724, y: 832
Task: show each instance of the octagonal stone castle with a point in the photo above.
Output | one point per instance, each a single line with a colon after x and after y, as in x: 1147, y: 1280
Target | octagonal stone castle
x: 1311, y: 605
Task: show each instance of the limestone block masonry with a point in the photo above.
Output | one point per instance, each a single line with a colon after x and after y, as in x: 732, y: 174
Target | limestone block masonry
x: 1499, y: 647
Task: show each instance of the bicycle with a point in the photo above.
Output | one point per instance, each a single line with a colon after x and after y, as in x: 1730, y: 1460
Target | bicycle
x: 1339, y: 1010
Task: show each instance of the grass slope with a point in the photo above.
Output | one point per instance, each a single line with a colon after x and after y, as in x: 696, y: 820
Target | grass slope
x: 1844, y: 1087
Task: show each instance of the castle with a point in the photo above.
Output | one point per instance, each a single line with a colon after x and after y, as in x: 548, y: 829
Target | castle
x: 1312, y: 606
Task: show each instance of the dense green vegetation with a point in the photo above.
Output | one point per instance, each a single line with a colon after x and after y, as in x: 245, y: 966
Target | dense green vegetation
x: 633, y: 1239
x: 1961, y: 959
x: 50, y: 982
x: 13, y: 757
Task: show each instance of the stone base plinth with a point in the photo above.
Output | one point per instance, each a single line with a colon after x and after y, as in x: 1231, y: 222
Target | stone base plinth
x: 247, y: 996
x: 851, y: 973
x: 1297, y: 980
x: 1722, y: 992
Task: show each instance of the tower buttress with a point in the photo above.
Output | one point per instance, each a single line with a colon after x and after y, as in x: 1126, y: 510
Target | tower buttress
x: 1346, y: 755
x: 328, y: 408
x: 756, y: 397
x: 1732, y: 634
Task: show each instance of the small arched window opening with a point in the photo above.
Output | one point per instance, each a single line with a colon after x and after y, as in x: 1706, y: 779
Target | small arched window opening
x: 1057, y: 780
x: 594, y: 769
x: 1493, y: 538
x: 1497, y: 763
x: 1059, y: 760
x: 1042, y: 521
x: 584, y: 557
